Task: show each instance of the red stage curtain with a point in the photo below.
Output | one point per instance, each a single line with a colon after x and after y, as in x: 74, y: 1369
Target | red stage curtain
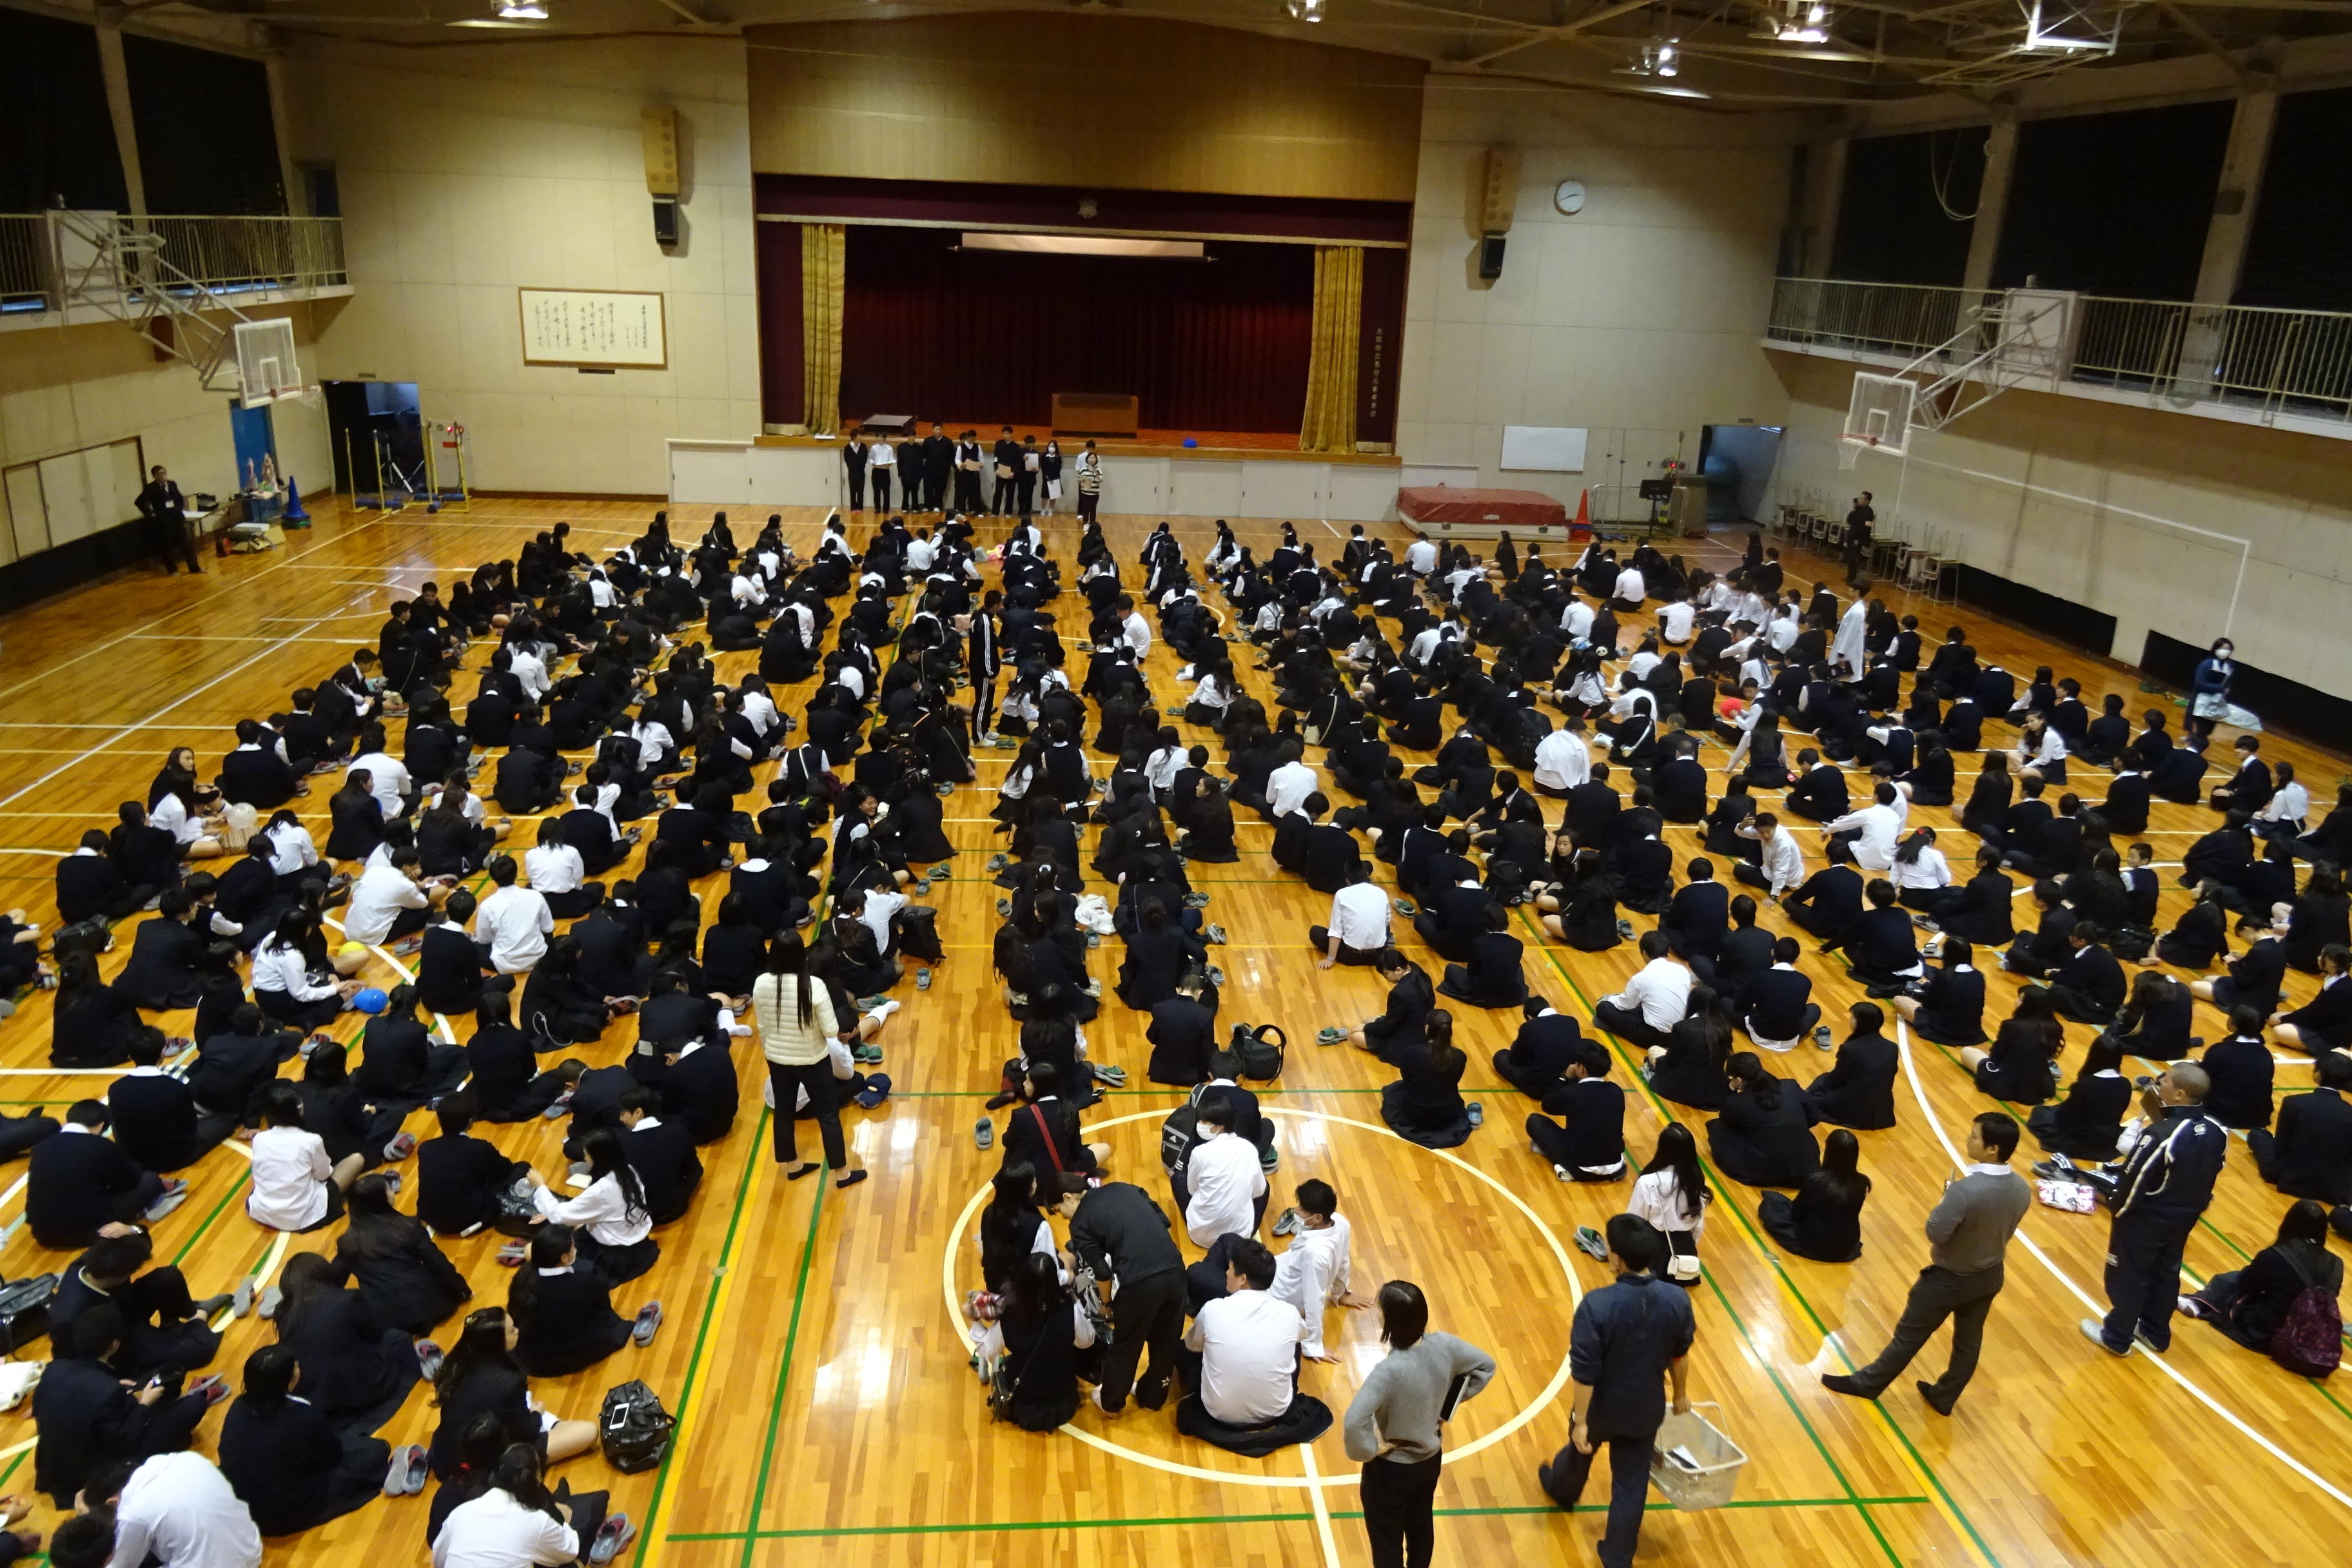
x: 932, y: 330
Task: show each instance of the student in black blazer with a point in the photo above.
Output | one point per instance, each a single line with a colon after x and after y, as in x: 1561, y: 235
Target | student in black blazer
x: 697, y: 1087
x: 1044, y: 1131
x: 163, y: 1326
x: 1588, y: 1143
x: 2089, y: 987
x: 1776, y: 1007
x: 1410, y: 1001
x: 450, y: 963
x: 404, y: 1278
x: 80, y: 1180
x: 1949, y: 1008
x: 283, y: 1458
x: 2242, y: 1072
x: 359, y: 1367
x: 253, y: 774
x: 562, y: 1309
x: 156, y: 1119
x: 2088, y: 1122
x: 2310, y: 1155
x: 87, y: 1417
x: 2255, y: 977
x: 1859, y: 1091
x: 459, y: 1179
x: 1492, y: 976
x: 662, y: 1155
x: 91, y: 886
x: 1827, y: 904
x: 1824, y: 1221
x: 169, y: 958
x: 1760, y: 1137
x: 1697, y: 917
x: 2325, y: 1022
x: 2021, y: 1066
x: 481, y: 1378
x: 1535, y: 1062
x: 1880, y: 946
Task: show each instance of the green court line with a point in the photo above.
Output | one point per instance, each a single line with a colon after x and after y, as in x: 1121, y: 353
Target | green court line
x: 235, y: 1187
x: 702, y: 1329
x: 784, y: 1370
x: 1773, y: 1262
x: 983, y: 1527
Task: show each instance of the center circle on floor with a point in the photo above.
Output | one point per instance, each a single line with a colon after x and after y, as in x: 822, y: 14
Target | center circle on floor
x: 1535, y: 1407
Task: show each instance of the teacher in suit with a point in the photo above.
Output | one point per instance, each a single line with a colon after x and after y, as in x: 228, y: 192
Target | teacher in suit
x: 165, y: 511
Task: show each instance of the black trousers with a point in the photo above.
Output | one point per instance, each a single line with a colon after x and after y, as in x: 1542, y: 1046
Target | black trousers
x: 966, y: 492
x: 983, y: 705
x: 817, y: 1079
x: 1146, y: 1314
x: 1000, y: 500
x: 1627, y: 1024
x: 1088, y: 503
x: 1028, y: 489
x: 1319, y: 938
x: 174, y: 544
x: 857, y: 490
x: 1397, y: 1497
x: 1753, y: 876
x: 2143, y: 1281
x: 881, y: 477
x: 1938, y: 1293
x: 1628, y: 1487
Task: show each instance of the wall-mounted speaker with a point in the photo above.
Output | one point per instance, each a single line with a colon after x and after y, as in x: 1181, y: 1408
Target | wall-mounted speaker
x: 665, y: 221
x: 1498, y: 200
x: 659, y: 127
x: 1490, y: 257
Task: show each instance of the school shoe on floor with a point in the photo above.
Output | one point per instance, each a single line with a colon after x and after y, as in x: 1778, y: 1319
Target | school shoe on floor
x: 1216, y: 977
x: 400, y: 1147
x: 984, y: 1133
x: 1004, y: 906
x: 512, y: 1254
x: 923, y: 980
x: 2095, y: 1332
x: 267, y: 1306
x: 1404, y: 907
x: 1330, y: 1036
x: 1821, y: 1037
x: 175, y: 1193
x: 1114, y: 1076
x: 1588, y: 1240
x: 862, y: 1052
x: 212, y: 1389
x: 997, y: 863
x: 1286, y: 1223
x: 613, y: 1537
x: 241, y: 1298
x: 1478, y: 1114
x: 409, y: 1470
x: 1217, y: 933
x: 429, y: 1357
x: 556, y: 1111
x: 1196, y: 900
x: 648, y: 1324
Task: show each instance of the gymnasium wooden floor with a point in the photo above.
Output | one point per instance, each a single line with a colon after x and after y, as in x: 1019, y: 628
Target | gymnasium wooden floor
x: 812, y: 1346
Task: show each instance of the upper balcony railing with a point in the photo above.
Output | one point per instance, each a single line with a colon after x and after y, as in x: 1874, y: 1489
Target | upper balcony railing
x: 2297, y: 362
x: 225, y: 255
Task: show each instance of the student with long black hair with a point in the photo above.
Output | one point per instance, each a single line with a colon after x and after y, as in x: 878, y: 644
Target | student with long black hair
x: 615, y: 1228
x: 480, y: 1379
x: 796, y: 1029
x: 287, y: 1462
x: 517, y: 1521
x: 562, y: 1309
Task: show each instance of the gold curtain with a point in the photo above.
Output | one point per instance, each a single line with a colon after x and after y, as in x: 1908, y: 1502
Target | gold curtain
x: 821, y: 260
x: 1329, y: 425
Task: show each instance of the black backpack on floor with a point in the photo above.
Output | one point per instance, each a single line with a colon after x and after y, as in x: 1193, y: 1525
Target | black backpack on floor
x: 1261, y: 1049
x: 633, y: 1428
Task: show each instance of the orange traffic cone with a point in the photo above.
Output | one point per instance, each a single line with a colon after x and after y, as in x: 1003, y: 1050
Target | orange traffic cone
x: 1582, y: 527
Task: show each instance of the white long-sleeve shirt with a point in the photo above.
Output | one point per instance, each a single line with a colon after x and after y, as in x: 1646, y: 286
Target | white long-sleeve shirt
x: 1784, y: 861
x: 1661, y: 989
x: 1930, y: 870
x: 554, y: 868
x: 604, y: 1209
x: 182, y: 1510
x: 282, y: 966
x: 1312, y: 1274
x: 1880, y: 827
x: 1287, y: 787
x: 291, y: 849
x: 516, y: 923
x: 1564, y: 761
x: 1224, y: 1179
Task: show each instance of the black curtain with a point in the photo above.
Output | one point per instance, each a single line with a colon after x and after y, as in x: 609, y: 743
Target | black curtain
x: 1891, y: 225
x: 975, y: 336
x: 2114, y: 204
x: 206, y: 144
x: 2303, y: 225
x: 55, y: 137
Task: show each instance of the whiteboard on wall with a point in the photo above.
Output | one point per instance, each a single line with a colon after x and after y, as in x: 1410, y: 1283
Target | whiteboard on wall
x: 1543, y: 448
x: 593, y: 329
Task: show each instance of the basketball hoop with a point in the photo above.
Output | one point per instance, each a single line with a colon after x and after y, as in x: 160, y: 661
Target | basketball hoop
x: 1851, y: 446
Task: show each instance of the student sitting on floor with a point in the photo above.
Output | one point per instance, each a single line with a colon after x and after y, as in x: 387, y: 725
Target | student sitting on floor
x: 561, y: 1307
x: 2253, y: 1304
x: 1246, y: 1399
x: 1588, y: 1144
x: 1825, y: 1221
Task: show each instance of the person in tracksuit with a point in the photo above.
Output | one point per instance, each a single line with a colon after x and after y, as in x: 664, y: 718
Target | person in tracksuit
x: 2160, y: 1190
x: 980, y: 664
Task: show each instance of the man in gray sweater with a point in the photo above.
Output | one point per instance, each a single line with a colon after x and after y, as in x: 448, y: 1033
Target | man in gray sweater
x: 1392, y: 1427
x: 1968, y: 1232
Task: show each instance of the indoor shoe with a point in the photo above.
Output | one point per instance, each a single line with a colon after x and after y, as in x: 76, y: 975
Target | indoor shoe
x: 556, y: 1111
x: 1196, y: 900
x: 1404, y: 907
x: 415, y: 1467
x: 2095, y: 1332
x: 866, y: 1053
x: 511, y: 1254
x: 1114, y: 1076
x: 649, y: 1321
x: 1588, y: 1241
x: 1216, y: 976
x: 1217, y: 933
x: 429, y: 1359
x: 1476, y: 1113
x: 998, y: 862
x: 400, y: 1147
x: 984, y: 1133
x: 1821, y: 1037
x: 923, y: 980
x: 1329, y: 1037
x: 174, y: 1196
x: 1286, y: 1223
x: 612, y: 1538
x: 1004, y: 906
x: 212, y: 1389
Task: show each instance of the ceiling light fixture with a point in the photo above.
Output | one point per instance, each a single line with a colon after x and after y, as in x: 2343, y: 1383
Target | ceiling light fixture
x: 1795, y: 22
x: 1304, y: 10
x: 1660, y: 57
x: 522, y: 11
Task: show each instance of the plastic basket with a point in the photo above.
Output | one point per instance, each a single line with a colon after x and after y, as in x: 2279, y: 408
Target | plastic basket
x: 1720, y: 1458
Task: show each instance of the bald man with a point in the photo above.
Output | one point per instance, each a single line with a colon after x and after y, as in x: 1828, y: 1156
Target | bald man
x: 2161, y: 1188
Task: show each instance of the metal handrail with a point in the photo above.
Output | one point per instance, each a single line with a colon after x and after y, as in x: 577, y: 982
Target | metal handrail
x: 227, y: 253
x: 2279, y: 359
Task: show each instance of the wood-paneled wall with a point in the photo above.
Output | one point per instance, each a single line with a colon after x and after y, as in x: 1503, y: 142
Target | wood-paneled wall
x: 1131, y: 104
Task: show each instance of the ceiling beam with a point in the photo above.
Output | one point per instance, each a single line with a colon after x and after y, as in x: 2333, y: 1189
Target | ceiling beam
x: 689, y: 13
x: 1593, y: 17
x: 2205, y: 40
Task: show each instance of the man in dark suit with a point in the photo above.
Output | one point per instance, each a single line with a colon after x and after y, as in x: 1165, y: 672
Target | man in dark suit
x: 2310, y: 1156
x: 1628, y: 1341
x: 165, y: 511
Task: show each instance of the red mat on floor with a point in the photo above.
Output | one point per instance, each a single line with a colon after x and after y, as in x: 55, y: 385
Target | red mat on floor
x: 1489, y: 508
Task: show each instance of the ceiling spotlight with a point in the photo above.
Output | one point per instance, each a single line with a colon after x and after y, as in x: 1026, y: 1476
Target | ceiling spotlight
x: 1304, y: 10
x: 1795, y: 22
x: 1660, y: 57
x: 522, y: 11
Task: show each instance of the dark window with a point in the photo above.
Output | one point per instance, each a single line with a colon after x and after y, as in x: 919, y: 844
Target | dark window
x: 326, y: 197
x: 206, y: 144
x: 2303, y: 223
x: 2114, y: 204
x: 56, y: 139
x: 1895, y: 222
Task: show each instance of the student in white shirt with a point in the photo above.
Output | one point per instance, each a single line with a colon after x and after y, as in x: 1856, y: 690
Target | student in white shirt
x: 177, y: 1508
x: 390, y: 902
x: 1654, y: 1000
x: 1286, y: 789
x: 1676, y: 621
x: 1223, y: 1176
x: 294, y: 1186
x: 516, y: 1523
x: 1421, y: 556
x: 1359, y: 931
x: 1312, y: 1273
x: 558, y: 875
x: 387, y: 775
x: 612, y: 1225
x: 1563, y: 760
x: 292, y: 851
x: 1784, y: 860
x: 1869, y: 834
x: 1919, y: 865
x: 1672, y: 1193
x: 1249, y: 1344
x: 515, y: 921
x: 2282, y: 816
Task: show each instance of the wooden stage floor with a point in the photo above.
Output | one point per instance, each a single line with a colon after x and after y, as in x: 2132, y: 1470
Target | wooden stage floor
x: 812, y: 1345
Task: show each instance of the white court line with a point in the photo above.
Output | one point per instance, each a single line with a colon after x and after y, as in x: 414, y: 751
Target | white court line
x: 1322, y: 1509
x: 1911, y: 1069
x: 236, y: 669
x: 1313, y: 1482
x: 407, y: 976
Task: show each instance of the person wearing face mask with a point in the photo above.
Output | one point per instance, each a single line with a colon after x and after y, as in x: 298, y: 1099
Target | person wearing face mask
x: 2209, y: 688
